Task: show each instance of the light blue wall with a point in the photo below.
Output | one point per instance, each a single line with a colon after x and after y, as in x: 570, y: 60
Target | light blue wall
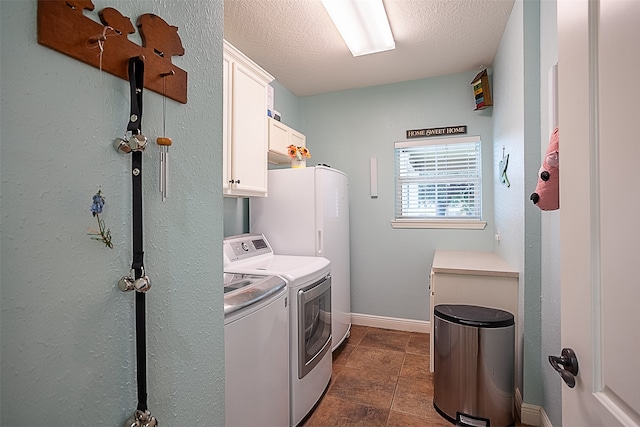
x: 550, y: 226
x: 67, y: 338
x: 508, y: 130
x: 532, y: 379
x: 236, y: 216
x: 390, y: 267
x: 287, y: 104
x: 517, y: 123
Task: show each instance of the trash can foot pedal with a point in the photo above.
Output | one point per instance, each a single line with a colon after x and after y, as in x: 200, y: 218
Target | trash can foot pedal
x: 469, y: 421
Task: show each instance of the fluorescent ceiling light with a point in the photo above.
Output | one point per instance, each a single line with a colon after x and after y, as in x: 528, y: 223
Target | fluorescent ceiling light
x: 363, y: 25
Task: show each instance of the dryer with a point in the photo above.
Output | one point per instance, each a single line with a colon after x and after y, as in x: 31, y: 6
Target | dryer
x: 309, y: 282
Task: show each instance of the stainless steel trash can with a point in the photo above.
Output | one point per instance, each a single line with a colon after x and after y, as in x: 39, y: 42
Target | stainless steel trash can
x: 474, y: 365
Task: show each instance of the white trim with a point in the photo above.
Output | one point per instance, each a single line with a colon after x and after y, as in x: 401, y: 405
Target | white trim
x: 534, y: 415
x: 431, y: 223
x: 243, y: 59
x: 545, y: 421
x: 553, y: 96
x: 398, y: 324
x: 531, y: 415
x: 617, y: 407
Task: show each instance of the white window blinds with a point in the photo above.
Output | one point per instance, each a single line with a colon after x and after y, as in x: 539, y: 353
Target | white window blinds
x: 439, y: 179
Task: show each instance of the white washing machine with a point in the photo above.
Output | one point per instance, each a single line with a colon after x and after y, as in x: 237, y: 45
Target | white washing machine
x: 309, y: 282
x: 256, y: 339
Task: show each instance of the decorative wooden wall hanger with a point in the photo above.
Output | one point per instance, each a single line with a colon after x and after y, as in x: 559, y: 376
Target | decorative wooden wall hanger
x: 62, y: 26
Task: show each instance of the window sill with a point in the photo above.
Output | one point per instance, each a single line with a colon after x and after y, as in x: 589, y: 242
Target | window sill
x: 463, y: 224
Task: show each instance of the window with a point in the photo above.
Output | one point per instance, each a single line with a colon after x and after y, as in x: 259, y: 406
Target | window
x: 439, y: 183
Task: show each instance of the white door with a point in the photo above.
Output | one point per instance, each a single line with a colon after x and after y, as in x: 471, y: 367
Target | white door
x: 599, y: 117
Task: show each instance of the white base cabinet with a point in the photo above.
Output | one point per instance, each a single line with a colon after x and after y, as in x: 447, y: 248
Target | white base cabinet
x: 245, y: 133
x: 473, y: 278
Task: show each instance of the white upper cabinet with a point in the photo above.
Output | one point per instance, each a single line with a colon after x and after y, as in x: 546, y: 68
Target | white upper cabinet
x: 282, y: 136
x: 244, y: 131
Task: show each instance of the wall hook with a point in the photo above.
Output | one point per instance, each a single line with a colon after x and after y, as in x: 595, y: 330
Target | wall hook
x: 160, y: 42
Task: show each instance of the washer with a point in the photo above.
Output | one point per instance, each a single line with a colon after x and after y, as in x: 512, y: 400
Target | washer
x: 256, y: 336
x: 309, y: 282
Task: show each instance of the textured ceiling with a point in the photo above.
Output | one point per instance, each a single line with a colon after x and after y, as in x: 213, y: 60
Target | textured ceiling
x: 296, y: 41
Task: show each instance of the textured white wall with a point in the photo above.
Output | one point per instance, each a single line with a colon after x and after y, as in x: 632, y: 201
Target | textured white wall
x: 68, y: 348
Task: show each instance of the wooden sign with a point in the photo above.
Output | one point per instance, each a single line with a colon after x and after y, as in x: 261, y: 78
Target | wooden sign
x: 63, y: 27
x: 425, y: 133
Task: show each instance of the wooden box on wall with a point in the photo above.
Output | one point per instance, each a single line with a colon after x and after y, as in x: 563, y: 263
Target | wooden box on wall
x: 482, y: 91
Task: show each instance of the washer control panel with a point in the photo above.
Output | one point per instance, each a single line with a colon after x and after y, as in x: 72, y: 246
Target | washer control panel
x: 245, y: 246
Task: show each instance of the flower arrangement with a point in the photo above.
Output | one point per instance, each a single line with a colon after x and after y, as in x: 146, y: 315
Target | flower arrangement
x: 298, y: 153
x: 103, y: 233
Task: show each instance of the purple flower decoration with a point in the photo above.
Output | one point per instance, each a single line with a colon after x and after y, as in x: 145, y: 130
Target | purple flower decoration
x: 103, y: 232
x: 98, y: 203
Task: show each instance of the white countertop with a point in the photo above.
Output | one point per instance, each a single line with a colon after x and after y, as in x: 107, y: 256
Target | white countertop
x: 472, y: 263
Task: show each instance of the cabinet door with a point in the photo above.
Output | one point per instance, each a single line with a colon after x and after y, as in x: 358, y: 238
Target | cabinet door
x: 278, y: 141
x: 249, y: 124
x: 297, y: 139
x: 281, y: 137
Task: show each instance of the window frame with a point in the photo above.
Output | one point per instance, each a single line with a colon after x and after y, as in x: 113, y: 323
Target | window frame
x: 437, y: 222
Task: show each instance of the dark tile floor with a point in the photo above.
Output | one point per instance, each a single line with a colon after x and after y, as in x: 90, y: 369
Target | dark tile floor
x: 380, y: 378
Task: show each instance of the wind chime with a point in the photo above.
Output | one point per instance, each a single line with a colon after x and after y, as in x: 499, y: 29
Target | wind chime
x: 137, y: 279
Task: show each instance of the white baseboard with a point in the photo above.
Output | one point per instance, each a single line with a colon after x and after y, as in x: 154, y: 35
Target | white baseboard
x: 546, y: 422
x: 394, y: 323
x: 532, y: 415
